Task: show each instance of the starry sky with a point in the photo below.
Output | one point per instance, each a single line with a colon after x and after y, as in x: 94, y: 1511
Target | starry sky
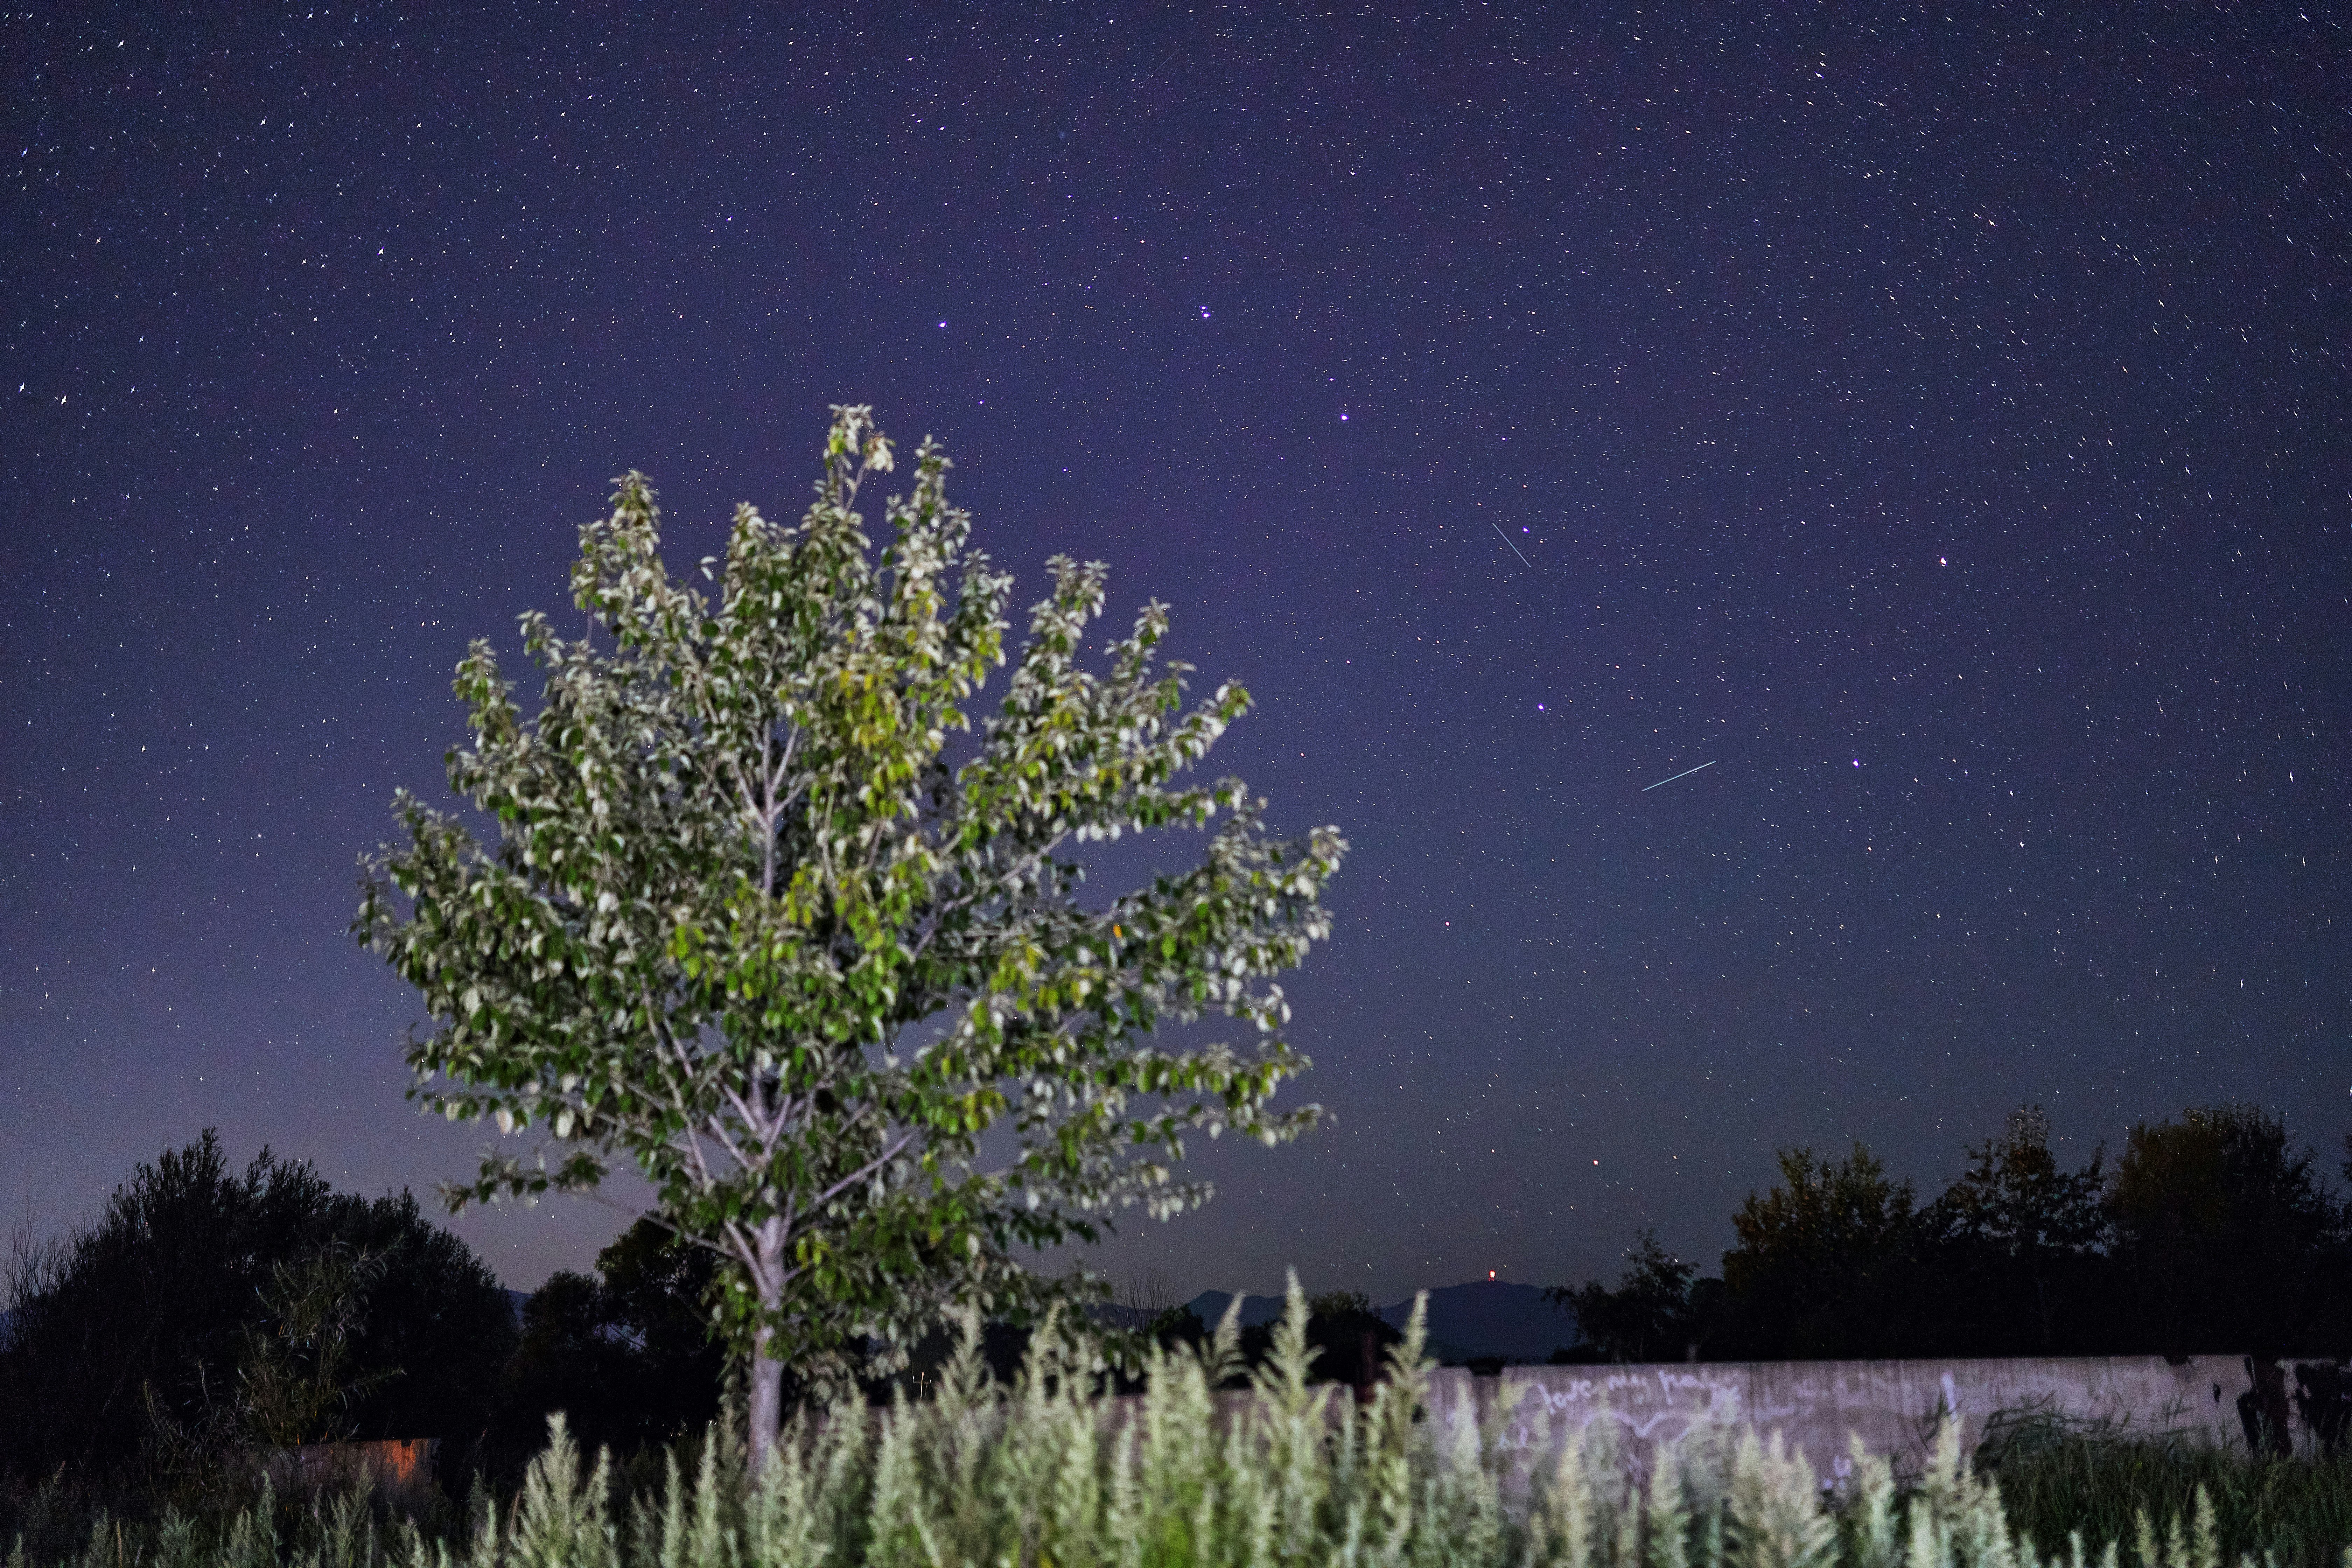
x: 1936, y: 425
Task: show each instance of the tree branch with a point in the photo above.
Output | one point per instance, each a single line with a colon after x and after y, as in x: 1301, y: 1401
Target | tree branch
x: 862, y: 1172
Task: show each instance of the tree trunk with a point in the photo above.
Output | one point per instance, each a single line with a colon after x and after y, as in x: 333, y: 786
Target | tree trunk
x: 767, y: 1413
x: 767, y: 1401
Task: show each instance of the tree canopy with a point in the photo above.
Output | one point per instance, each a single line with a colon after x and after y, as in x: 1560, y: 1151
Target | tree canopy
x: 760, y: 922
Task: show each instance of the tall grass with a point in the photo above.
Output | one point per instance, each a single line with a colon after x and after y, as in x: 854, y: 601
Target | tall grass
x: 2058, y: 1474
x: 1050, y: 1474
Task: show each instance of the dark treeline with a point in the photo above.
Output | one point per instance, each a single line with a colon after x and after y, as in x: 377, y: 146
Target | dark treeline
x: 207, y: 1314
x: 207, y: 1311
x: 2208, y: 1234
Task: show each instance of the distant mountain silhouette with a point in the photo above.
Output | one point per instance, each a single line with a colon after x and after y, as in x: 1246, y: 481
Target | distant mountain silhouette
x: 1483, y: 1318
x: 1491, y: 1317
x: 1210, y: 1305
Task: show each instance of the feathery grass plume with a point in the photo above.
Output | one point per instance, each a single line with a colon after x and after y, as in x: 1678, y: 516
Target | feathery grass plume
x: 1566, y: 1533
x: 253, y: 1536
x: 783, y: 1521
x: 176, y: 1543
x: 691, y: 1529
x: 1461, y: 1510
x: 1175, y: 1452
x: 1967, y: 1511
x: 1776, y: 1517
x: 1123, y: 1504
x: 1667, y: 1543
x: 561, y: 1520
x: 955, y: 1435
x: 1067, y: 1530
x: 841, y: 1449
x: 1384, y: 1477
x: 1616, y: 1507
x: 1866, y: 1527
x: 1296, y: 1437
x: 349, y: 1532
x: 900, y: 1530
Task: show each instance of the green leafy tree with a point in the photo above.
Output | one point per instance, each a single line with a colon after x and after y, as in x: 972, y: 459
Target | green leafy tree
x: 750, y: 926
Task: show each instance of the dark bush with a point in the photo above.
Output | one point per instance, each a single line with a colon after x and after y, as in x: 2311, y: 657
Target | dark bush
x: 143, y: 1322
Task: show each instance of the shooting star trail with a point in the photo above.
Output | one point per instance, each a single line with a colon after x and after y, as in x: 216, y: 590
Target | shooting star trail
x: 1683, y: 774
x: 1507, y: 539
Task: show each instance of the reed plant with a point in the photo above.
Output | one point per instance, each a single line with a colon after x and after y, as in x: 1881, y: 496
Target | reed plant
x: 1211, y: 1468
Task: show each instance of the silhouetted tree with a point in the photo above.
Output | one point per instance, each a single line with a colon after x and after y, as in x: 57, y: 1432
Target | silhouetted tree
x: 1649, y: 1317
x: 1823, y: 1263
x: 2016, y: 1262
x: 150, y: 1315
x: 2212, y: 1233
x: 628, y: 1354
x: 297, y: 1382
x: 573, y: 1358
x: 1348, y: 1338
x: 661, y: 1288
x: 2228, y: 1238
x: 438, y: 1314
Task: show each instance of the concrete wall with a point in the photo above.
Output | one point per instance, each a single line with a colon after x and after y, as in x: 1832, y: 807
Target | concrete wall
x: 1892, y: 1404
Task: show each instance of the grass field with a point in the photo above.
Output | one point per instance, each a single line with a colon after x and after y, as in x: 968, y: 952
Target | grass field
x: 1045, y: 1473
x: 2057, y: 1477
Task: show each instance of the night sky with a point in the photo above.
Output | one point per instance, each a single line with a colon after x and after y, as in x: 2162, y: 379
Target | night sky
x: 1939, y: 427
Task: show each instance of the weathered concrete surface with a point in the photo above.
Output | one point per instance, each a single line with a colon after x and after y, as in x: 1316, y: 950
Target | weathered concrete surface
x: 1893, y: 1405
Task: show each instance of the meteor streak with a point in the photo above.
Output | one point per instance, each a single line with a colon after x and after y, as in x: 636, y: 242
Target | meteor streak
x: 1507, y: 539
x: 1683, y: 774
